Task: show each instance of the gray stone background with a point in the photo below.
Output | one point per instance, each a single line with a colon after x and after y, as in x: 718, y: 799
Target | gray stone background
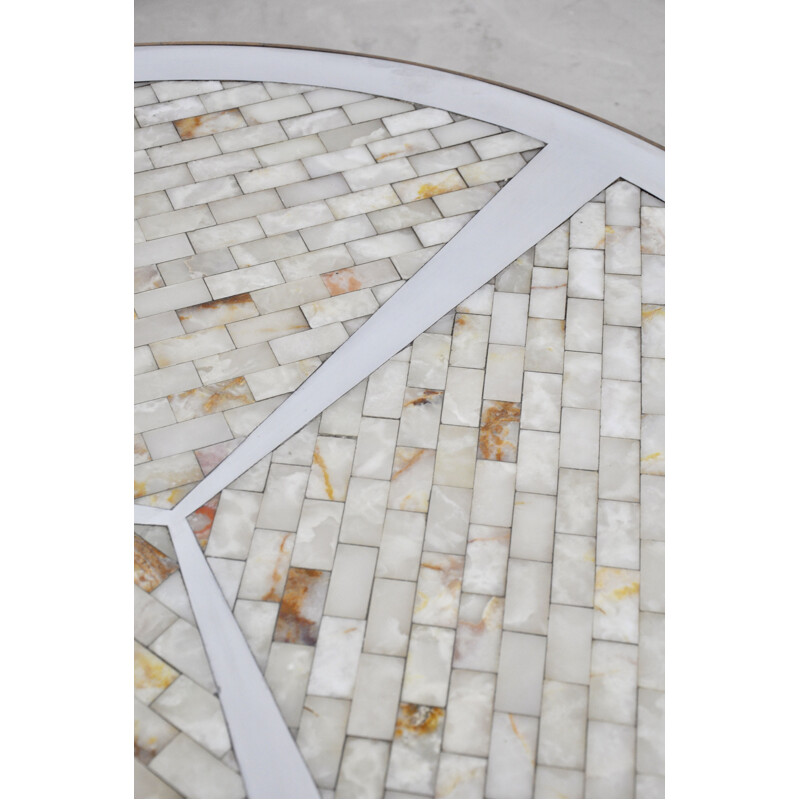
x: 605, y: 57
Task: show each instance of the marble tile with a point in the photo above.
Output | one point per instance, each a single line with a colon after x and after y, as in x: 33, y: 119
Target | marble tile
x: 463, y: 131
x: 569, y: 644
x: 553, y: 250
x: 283, y: 498
x: 150, y: 566
x: 401, y: 545
x: 287, y: 674
x: 585, y: 325
x: 181, y: 646
x: 652, y: 507
x: 520, y: 673
x: 317, y: 534
x: 455, y: 456
x: 577, y: 502
x: 573, y: 570
x: 151, y: 618
x: 250, y: 137
x: 231, y: 98
x: 548, y: 293
x: 376, y: 697
x: 653, y: 331
x: 504, y: 367
x: 562, y: 727
x: 460, y: 776
x: 621, y: 353
x: 404, y: 145
x: 321, y: 735
x: 653, y: 385
x: 384, y: 245
x: 448, y: 520
x: 289, y: 151
x: 227, y: 164
x: 151, y: 675
x: 299, y: 449
x: 267, y: 565
x: 389, y: 620
x: 438, y: 590
x: 430, y: 652
x: 537, y: 462
x: 155, y: 135
x: 363, y: 768
x: 517, y: 276
x: 415, y: 749
x: 375, y: 108
x: 165, y: 473
x: 618, y: 534
x: 419, y: 421
x: 650, y: 786
x: 151, y: 733
x: 194, y: 771
x: 621, y: 409
x: 610, y: 760
x: 364, y: 512
x: 623, y: 300
x: 469, y: 713
x: 351, y: 582
x: 623, y: 250
x: 478, y: 633
x: 492, y: 169
x: 509, y: 319
x: 616, y: 604
x: 653, y: 279
x: 512, y: 755
x: 555, y: 782
x: 439, y: 231
x: 586, y: 274
x: 612, y: 691
x: 479, y: 302
x: 651, y: 651
x: 182, y: 152
x: 533, y: 525
x: 544, y: 350
x: 375, y: 448
x: 652, y: 457
x: 257, y: 621
x: 333, y: 672
x: 439, y: 160
x: 163, y: 178
x: 315, y: 342
x: 196, y: 712
x: 470, y: 341
x: 622, y: 204
x: 184, y: 436
x: 265, y: 178
x: 462, y: 398
x: 272, y: 110
x: 527, y: 596
x: 412, y: 476
x: 619, y: 469
x: 416, y: 120
x: 652, y: 230
x: 168, y: 111
x: 301, y: 606
x: 280, y: 380
x: 652, y: 577
x: 353, y: 135
x: 164, y: 249
x: 650, y: 733
x: 493, y: 493
x: 541, y: 401
x: 504, y: 144
x: 587, y: 227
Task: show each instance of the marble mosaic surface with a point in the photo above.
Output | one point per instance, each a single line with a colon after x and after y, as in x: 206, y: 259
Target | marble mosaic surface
x: 453, y: 577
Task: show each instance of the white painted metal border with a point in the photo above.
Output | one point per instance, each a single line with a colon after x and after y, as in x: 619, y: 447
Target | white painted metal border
x: 581, y: 158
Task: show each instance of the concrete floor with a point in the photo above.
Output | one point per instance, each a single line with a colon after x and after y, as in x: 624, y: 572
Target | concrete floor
x: 605, y: 57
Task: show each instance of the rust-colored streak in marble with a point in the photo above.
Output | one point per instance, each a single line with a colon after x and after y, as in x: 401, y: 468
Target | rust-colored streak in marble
x: 277, y: 573
x: 416, y: 720
x: 519, y: 736
x: 205, y: 124
x: 210, y: 399
x: 496, y: 441
x: 200, y: 521
x: 407, y: 463
x: 320, y: 462
x: 149, y: 671
x: 651, y: 312
x: 424, y: 399
x: 233, y: 306
x: 301, y: 607
x: 150, y: 565
x: 341, y: 282
x: 449, y: 184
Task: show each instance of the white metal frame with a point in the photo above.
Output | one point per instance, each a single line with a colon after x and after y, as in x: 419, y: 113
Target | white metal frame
x: 582, y: 156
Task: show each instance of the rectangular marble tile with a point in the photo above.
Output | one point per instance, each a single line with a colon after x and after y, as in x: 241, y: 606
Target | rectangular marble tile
x: 619, y: 469
x: 164, y: 249
x: 462, y: 398
x: 650, y: 732
x: 448, y: 520
x: 623, y: 253
x: 180, y: 152
x: 584, y: 330
x: 616, y: 604
x: 264, y: 178
x: 493, y: 493
x: 351, y: 581
x: 317, y: 534
x: 374, y: 453
x: 278, y: 109
x: 412, y: 476
x: 653, y: 401
x: 430, y: 185
x: 404, y: 216
x: 152, y: 385
x: 290, y: 151
x: 533, y: 526
x: 541, y: 401
x: 376, y: 697
x: 573, y: 570
x: 227, y: 164
x: 283, y: 498
x: 478, y: 633
x: 652, y: 230
x: 621, y: 353
x: 268, y: 559
x: 189, y: 435
x: 527, y: 596
x: 287, y: 674
x: 610, y: 760
x: 520, y: 673
x: 384, y: 245
x: 401, y: 545
x: 464, y: 200
x: 289, y: 295
x: 486, y: 560
x: 155, y: 135
x: 415, y: 750
x: 512, y: 755
x: 623, y: 300
x: 439, y: 231
x: 373, y: 109
x: 438, y: 590
x: 234, y: 523
x: 251, y: 136
x: 504, y: 144
x: 427, y: 674
x: 333, y: 672
x: 537, y: 462
x: 509, y: 319
x: 587, y: 227
x: 232, y: 98
x: 569, y: 644
x: 470, y: 341
x: 548, y: 293
x: 586, y: 274
x: 352, y: 135
x: 321, y: 735
x: 168, y: 111
x: 463, y: 131
x: 562, y: 727
x: 455, y: 456
x: 577, y: 502
x: 653, y: 279
x: 469, y: 713
x: 516, y: 277
x: 363, y: 768
x: 553, y: 250
x: 651, y: 651
x: 653, y: 445
x: 181, y: 646
x: 612, y: 691
x: 580, y: 434
x: 544, y: 351
x: 504, y: 367
x: 389, y: 620
x: 618, y: 534
x: 653, y: 331
x: 652, y: 507
x: 652, y: 577
x: 415, y: 120
x: 493, y: 169
x: 307, y: 344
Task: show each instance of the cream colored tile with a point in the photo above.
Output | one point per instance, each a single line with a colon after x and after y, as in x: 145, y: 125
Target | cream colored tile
x: 333, y: 672
x: 573, y: 570
x: 577, y: 502
x: 562, y: 727
x: 616, y: 603
x: 427, y: 674
x: 569, y: 644
x: 389, y: 620
x: 553, y: 250
x: 487, y: 560
x: 321, y: 735
x: 376, y: 696
x: 351, y: 581
x: 512, y: 755
x: 612, y: 691
x: 520, y: 674
x: 448, y: 520
x: 527, y: 596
